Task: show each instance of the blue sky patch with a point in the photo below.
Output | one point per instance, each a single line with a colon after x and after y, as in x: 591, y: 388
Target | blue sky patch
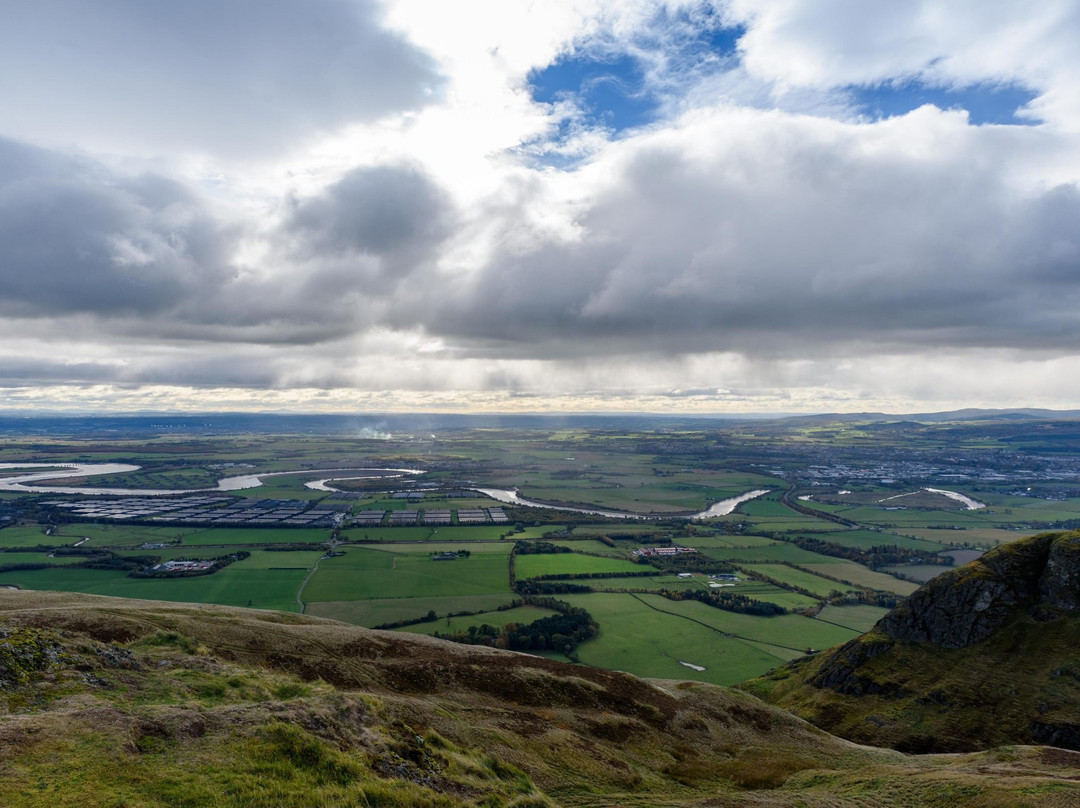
x: 985, y: 103
x: 612, y: 89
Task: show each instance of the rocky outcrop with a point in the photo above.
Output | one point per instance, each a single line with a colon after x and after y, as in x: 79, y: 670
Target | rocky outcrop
x: 968, y: 604
x: 986, y: 654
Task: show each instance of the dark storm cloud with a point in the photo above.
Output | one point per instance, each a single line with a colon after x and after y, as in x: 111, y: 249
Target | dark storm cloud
x: 218, y: 75
x: 75, y: 239
x: 789, y: 236
x: 143, y: 257
x: 391, y: 212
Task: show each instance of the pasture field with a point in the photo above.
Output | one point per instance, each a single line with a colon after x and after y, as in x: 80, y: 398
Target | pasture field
x: 859, y: 617
x: 919, y: 572
x: 380, y: 611
x: 615, y: 529
x: 187, y: 478
x: 865, y: 539
x: 278, y: 559
x: 902, y: 519
x: 786, y: 635
x: 861, y: 576
x: 596, y: 547
x: 228, y: 536
x: 981, y: 536
x: 418, y: 533
x: 628, y: 483
x: 767, y: 553
x: 111, y: 535
x: 645, y: 642
x: 651, y: 583
x: 289, y: 487
x: 788, y: 523
x: 731, y: 542
x: 32, y: 536
x: 804, y: 580
x: 539, y: 565
x: 232, y: 586
x: 770, y: 593
x: 769, y: 505
x: 39, y: 558
x: 500, y: 548
x: 521, y: 614
x: 372, y: 573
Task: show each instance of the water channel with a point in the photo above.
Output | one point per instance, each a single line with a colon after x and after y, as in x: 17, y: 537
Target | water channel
x: 28, y: 483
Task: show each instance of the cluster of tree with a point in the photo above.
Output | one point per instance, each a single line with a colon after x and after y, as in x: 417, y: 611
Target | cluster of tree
x: 546, y: 516
x: 523, y: 547
x: 691, y: 562
x: 870, y: 597
x: 538, y: 587
x: 729, y: 601
x: 559, y: 632
x: 112, y: 561
x: 880, y: 555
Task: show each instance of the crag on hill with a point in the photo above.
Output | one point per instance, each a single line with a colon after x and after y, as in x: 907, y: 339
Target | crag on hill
x: 109, y: 702
x: 983, y: 655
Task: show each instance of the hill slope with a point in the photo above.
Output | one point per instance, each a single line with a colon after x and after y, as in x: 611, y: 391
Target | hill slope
x: 983, y: 655
x: 119, y: 702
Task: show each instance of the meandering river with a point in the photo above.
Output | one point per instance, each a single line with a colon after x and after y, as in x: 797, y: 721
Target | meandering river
x: 29, y: 483
x: 721, y: 508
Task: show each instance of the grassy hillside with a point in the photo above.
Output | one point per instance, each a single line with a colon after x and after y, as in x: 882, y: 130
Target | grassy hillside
x: 111, y: 702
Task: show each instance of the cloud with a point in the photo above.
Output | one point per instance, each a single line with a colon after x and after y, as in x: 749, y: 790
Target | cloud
x: 810, y: 43
x: 391, y: 212
x: 348, y: 230
x: 220, y: 76
x: 772, y: 234
x: 74, y: 238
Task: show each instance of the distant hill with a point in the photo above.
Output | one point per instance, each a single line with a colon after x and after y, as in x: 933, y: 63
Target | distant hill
x: 112, y: 702
x: 983, y: 655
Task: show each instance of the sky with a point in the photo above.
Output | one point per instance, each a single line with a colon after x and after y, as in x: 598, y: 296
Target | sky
x: 570, y: 206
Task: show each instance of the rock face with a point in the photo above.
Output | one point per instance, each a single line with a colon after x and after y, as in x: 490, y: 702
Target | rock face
x: 988, y: 653
x: 968, y: 604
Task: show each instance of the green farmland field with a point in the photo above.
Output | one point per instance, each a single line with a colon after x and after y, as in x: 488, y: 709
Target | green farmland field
x: 859, y: 617
x: 38, y: 558
x: 788, y: 635
x: 859, y: 575
x: 640, y: 640
x: 256, y: 535
x: 101, y: 535
x: 369, y: 573
x: 536, y: 566
x: 380, y: 611
x: 769, y: 553
x: 804, y: 580
x: 521, y: 614
x: 235, y: 585
x: 865, y: 539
